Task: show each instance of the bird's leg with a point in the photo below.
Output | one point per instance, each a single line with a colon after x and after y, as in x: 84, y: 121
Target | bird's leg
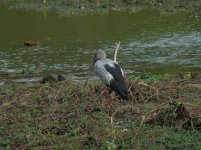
x: 109, y: 90
x: 110, y: 105
x: 110, y: 101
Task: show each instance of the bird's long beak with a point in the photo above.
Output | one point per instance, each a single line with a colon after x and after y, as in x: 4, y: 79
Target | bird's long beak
x: 93, y: 63
x: 94, y: 60
x: 91, y: 68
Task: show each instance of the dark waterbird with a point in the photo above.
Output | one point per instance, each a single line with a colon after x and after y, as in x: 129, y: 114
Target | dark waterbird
x: 111, y: 74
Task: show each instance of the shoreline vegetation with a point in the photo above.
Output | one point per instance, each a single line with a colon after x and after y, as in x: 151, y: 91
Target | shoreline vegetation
x: 163, y: 112
x: 80, y: 7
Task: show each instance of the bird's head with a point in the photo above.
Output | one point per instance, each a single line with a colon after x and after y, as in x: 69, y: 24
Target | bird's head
x: 100, y: 54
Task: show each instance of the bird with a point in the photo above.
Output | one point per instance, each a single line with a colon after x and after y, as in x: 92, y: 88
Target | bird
x: 111, y: 74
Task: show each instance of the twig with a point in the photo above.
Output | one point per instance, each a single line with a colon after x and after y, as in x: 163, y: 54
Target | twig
x: 91, y: 68
x: 191, y: 120
x: 113, y: 134
x: 142, y: 121
x: 6, y: 68
x: 116, y: 50
x: 142, y: 83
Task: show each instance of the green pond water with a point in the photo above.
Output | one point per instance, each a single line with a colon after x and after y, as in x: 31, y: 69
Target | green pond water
x: 150, y: 41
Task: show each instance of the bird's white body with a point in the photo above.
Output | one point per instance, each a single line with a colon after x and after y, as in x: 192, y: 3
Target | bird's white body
x: 100, y: 70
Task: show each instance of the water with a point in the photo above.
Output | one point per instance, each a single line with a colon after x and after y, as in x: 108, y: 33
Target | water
x: 150, y: 41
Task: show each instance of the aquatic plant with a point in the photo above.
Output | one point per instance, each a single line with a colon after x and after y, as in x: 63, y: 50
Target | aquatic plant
x: 68, y: 7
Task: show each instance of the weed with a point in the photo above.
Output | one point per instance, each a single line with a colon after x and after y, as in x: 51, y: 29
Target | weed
x: 69, y: 7
x: 151, y: 77
x: 35, y: 97
x: 6, y: 142
x: 109, y: 145
x: 65, y: 115
x: 47, y: 85
x: 188, y: 76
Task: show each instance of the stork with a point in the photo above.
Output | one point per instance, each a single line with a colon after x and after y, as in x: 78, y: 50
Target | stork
x: 111, y: 74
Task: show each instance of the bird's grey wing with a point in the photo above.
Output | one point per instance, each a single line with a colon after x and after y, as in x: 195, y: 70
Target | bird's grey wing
x: 115, y: 71
x: 118, y: 84
x: 100, y: 71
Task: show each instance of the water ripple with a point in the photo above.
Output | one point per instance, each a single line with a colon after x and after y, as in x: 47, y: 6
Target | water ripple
x: 176, y: 49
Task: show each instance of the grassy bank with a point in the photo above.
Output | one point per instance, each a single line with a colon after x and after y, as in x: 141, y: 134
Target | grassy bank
x: 163, y: 112
x: 68, y: 7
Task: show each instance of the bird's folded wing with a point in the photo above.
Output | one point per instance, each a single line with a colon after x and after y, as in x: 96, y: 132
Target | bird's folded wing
x: 114, y: 70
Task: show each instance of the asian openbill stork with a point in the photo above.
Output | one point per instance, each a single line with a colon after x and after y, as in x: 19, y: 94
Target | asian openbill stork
x: 111, y: 74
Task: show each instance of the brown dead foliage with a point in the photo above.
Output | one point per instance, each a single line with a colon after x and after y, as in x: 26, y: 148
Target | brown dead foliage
x: 177, y: 110
x: 82, y: 111
x: 176, y: 115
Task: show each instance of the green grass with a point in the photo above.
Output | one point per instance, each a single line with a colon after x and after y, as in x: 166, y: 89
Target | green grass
x: 69, y: 116
x: 150, y: 77
x: 69, y: 7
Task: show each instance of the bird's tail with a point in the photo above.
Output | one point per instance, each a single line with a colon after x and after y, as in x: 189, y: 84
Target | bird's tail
x: 120, y: 88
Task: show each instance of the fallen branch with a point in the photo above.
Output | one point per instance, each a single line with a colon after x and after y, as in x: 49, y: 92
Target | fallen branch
x: 116, y: 50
